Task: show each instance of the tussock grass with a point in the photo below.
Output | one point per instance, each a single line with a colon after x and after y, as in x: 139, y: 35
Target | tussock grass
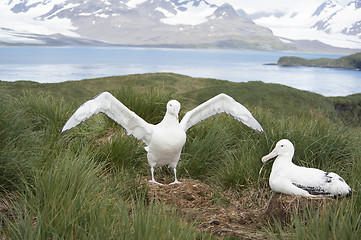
x: 149, y: 105
x: 206, y: 147
x: 44, y: 111
x: 85, y: 184
x: 73, y: 186
x: 74, y: 198
x: 336, y: 220
x: 18, y: 143
x: 124, y: 152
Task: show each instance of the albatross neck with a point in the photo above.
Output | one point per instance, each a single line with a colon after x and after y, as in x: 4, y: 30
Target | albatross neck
x: 170, y: 119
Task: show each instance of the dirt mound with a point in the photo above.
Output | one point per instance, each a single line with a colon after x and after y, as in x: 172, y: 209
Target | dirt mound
x: 232, y: 215
x: 190, y: 194
x: 197, y: 201
x: 281, y: 206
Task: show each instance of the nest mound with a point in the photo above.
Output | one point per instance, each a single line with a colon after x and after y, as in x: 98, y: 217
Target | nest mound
x: 229, y: 214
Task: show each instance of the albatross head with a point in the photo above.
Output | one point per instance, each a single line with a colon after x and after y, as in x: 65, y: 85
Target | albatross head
x: 284, y: 148
x: 173, y: 107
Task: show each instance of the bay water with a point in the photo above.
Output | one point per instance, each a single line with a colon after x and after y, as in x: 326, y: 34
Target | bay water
x: 58, y: 64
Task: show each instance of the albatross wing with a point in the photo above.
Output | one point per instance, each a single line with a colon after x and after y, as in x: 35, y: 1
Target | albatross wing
x: 221, y: 103
x: 113, y: 108
x: 324, y: 184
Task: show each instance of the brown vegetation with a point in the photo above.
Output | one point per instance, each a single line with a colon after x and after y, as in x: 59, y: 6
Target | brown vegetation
x: 240, y: 216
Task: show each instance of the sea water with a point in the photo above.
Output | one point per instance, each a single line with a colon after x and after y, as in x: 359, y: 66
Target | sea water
x: 58, y: 64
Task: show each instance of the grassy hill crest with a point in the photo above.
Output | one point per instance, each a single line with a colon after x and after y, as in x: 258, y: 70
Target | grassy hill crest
x: 192, y: 91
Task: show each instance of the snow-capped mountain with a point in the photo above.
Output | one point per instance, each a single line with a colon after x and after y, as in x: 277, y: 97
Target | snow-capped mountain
x: 336, y: 23
x: 131, y: 22
x: 335, y: 18
x: 226, y: 23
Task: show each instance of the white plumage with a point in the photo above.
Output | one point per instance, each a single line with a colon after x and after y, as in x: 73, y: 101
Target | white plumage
x: 164, y: 140
x: 288, y: 178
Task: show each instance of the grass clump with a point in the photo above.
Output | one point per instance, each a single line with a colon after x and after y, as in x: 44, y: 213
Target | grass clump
x: 19, y: 144
x: 123, y: 152
x: 206, y: 146
x: 149, y: 105
x: 334, y: 220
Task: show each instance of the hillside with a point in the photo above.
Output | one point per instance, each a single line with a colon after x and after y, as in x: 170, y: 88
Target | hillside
x: 191, y: 91
x: 352, y: 61
x: 91, y: 182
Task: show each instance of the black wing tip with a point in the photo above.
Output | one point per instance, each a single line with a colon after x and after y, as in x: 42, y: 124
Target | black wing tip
x: 349, y: 194
x: 352, y: 192
x: 63, y: 130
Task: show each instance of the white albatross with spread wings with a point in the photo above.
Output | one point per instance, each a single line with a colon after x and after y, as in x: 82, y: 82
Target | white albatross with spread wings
x: 290, y: 179
x: 164, y: 140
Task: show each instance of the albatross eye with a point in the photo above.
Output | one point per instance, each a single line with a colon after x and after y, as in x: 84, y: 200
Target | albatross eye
x: 282, y: 145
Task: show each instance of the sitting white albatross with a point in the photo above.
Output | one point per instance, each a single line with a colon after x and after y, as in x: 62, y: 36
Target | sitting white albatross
x: 164, y: 140
x: 290, y: 179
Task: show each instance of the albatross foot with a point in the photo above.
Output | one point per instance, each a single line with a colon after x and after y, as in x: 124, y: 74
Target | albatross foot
x: 175, y: 182
x: 153, y: 181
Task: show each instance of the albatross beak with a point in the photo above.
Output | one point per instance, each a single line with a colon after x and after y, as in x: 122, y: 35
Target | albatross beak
x: 176, y: 111
x: 272, y: 154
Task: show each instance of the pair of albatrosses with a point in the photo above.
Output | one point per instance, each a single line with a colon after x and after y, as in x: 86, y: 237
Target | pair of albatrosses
x: 165, y: 141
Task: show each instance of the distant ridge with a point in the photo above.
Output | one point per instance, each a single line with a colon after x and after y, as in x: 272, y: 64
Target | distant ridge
x: 352, y: 61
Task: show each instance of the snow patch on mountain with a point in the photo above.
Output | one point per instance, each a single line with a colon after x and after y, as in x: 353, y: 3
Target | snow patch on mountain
x: 135, y: 3
x: 331, y: 22
x: 194, y: 15
x: 20, y: 19
x: 165, y: 12
x: 342, y: 19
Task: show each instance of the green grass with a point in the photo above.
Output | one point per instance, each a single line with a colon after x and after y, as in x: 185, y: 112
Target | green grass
x: 85, y: 183
x: 191, y: 91
x: 76, y: 198
x: 336, y: 220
